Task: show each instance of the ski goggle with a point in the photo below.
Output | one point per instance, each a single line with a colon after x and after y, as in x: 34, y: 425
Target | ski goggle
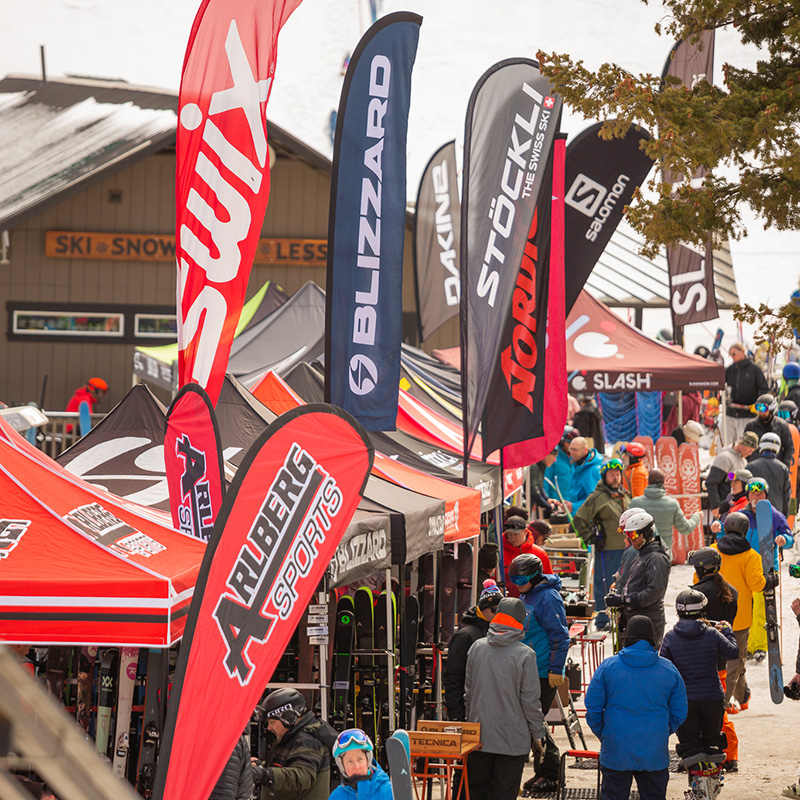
x: 352, y: 736
x: 756, y: 485
x: 633, y: 535
x: 520, y: 580
x: 762, y: 408
x: 612, y: 463
x: 784, y: 413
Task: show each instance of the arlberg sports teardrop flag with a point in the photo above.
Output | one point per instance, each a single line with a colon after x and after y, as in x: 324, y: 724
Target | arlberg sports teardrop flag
x: 511, y: 121
x: 193, y: 462
x: 366, y: 232
x: 283, y: 517
x: 222, y: 174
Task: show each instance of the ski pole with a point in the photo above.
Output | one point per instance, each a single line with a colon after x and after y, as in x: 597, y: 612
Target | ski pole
x: 564, y: 504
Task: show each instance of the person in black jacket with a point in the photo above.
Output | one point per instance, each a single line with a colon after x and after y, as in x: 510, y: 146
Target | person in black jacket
x: 775, y: 472
x: 767, y: 422
x: 695, y: 646
x: 746, y: 382
x: 236, y: 781
x: 589, y: 422
x: 474, y: 624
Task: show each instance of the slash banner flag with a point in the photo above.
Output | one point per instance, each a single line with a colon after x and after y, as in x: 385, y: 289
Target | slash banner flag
x: 222, y: 174
x: 282, y: 520
x: 193, y: 462
x: 366, y: 231
x: 528, y: 403
x: 512, y: 118
x: 691, y: 267
x: 601, y: 177
x: 437, y: 234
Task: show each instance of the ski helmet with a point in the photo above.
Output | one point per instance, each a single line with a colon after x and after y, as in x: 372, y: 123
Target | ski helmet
x: 736, y: 522
x: 97, y: 383
x: 634, y: 450
x: 706, y: 560
x: 569, y: 434
x: 765, y: 402
x: 791, y: 371
x: 611, y: 463
x: 770, y: 442
x: 640, y: 523
x: 742, y: 475
x: 623, y: 518
x: 758, y: 485
x: 690, y: 604
x: 525, y: 568
x: 353, y: 739
x: 285, y: 705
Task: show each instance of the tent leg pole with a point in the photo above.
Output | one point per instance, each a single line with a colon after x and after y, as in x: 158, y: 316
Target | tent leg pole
x: 473, y: 596
x: 322, y: 599
x: 390, y: 648
x: 680, y: 409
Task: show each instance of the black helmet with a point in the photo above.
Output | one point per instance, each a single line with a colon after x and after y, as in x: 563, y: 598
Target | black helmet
x: 525, y: 568
x: 706, y: 560
x: 285, y: 705
x: 569, y: 434
x: 736, y: 522
x: 690, y: 603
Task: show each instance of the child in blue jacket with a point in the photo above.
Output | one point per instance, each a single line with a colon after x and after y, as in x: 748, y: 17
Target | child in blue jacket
x: 362, y: 776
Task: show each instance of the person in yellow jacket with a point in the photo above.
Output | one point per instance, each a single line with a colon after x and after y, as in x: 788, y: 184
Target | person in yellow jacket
x: 635, y: 476
x: 741, y: 567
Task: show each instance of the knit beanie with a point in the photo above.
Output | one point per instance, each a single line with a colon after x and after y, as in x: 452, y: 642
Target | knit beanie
x: 640, y: 627
x: 511, y: 612
x: 490, y: 595
x: 488, y: 557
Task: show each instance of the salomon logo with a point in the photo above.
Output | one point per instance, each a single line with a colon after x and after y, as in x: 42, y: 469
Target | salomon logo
x: 585, y: 195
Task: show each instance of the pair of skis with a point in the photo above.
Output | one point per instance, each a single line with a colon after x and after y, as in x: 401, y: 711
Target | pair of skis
x: 766, y: 546
x: 398, y: 754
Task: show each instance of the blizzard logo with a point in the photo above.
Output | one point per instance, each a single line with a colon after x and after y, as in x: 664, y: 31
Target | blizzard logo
x: 585, y: 195
x: 195, y: 515
x: 523, y: 158
x: 624, y: 381
x: 445, y: 236
x: 436, y: 526
x: 440, y: 459
x: 112, y: 532
x: 364, y: 548
x: 214, y: 246
x: 363, y: 372
x: 279, y: 552
x: 11, y: 532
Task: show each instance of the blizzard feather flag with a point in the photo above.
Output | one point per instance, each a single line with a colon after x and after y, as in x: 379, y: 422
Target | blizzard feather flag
x: 691, y: 267
x: 366, y: 231
x: 193, y: 462
x: 512, y: 119
x: 282, y: 519
x: 437, y: 234
x: 222, y: 175
x: 602, y: 176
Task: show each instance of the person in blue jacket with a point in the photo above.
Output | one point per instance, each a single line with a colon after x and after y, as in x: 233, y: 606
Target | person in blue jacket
x: 547, y: 634
x: 586, y: 464
x: 695, y: 646
x: 558, y: 475
x: 635, y: 700
x: 362, y: 776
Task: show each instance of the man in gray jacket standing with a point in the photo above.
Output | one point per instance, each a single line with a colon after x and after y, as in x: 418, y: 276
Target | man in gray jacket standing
x: 502, y: 693
x: 665, y: 510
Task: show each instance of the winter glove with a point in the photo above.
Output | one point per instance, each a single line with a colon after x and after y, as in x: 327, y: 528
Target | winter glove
x: 613, y: 600
x: 630, y: 601
x: 771, y: 581
x: 537, y: 745
x: 554, y: 679
x: 262, y: 776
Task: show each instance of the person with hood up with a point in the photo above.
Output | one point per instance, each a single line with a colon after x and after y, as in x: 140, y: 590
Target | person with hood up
x: 643, y: 592
x: 727, y: 462
x: 474, y: 624
x: 634, y: 702
x: 767, y: 422
x: 362, y: 776
x: 597, y: 524
x: 586, y: 464
x: 694, y: 646
x: 775, y: 472
x: 558, y: 474
x: 547, y: 633
x: 745, y: 382
x: 589, y: 422
x: 635, y: 475
x: 502, y: 693
x: 741, y: 568
x: 665, y: 510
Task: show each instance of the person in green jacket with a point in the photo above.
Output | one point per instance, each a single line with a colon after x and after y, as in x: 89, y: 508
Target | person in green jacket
x: 665, y: 510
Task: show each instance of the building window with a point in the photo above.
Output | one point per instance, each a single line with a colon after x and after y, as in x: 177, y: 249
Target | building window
x: 161, y: 326
x: 29, y: 322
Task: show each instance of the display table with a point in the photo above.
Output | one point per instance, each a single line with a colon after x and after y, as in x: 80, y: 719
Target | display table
x: 440, y: 748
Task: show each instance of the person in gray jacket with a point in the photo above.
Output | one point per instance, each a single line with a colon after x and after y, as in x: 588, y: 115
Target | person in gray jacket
x: 775, y: 472
x: 665, y: 510
x: 502, y: 693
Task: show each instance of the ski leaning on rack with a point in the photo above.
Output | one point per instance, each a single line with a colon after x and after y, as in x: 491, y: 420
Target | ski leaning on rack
x: 105, y: 700
x: 151, y: 722
x: 409, y: 629
x: 464, y: 578
x: 447, y: 594
x: 128, y: 659
x: 766, y: 544
x: 83, y: 703
x: 383, y: 664
x: 397, y: 754
x: 341, y: 696
x: 366, y: 716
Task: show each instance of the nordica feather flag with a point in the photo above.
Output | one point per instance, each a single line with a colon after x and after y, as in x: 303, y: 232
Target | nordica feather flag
x: 512, y: 118
x: 601, y: 178
x: 282, y: 519
x: 437, y: 234
x: 193, y: 462
x: 366, y: 231
x: 222, y: 174
x: 692, y: 297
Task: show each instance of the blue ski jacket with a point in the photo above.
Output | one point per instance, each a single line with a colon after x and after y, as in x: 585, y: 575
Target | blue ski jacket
x: 377, y: 787
x: 780, y: 527
x: 635, y: 700
x: 545, y: 630
x: 695, y: 647
x: 584, y: 479
x: 560, y: 473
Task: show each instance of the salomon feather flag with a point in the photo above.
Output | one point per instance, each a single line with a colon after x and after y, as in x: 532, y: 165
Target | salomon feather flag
x: 437, y: 234
x: 366, y: 231
x: 193, y: 462
x: 281, y: 522
x: 511, y: 121
x: 601, y: 178
x: 222, y: 175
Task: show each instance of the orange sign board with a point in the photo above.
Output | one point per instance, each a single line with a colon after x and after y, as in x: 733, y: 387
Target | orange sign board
x: 158, y: 247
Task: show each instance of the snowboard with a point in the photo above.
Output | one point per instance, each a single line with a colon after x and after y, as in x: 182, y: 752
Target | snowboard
x: 105, y: 700
x: 84, y: 418
x: 397, y: 754
x: 793, y: 471
x: 447, y: 594
x: 766, y: 546
x: 126, y: 682
x: 384, y: 673
x: 366, y: 718
x: 154, y: 702
x: 426, y: 585
x: 409, y: 629
x: 83, y: 703
x: 464, y: 579
x: 341, y: 703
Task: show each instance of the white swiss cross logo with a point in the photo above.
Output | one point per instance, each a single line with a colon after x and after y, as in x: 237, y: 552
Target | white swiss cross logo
x: 549, y: 102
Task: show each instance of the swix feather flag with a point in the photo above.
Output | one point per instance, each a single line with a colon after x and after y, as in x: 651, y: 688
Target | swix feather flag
x: 366, y: 232
x: 282, y: 520
x: 512, y: 118
x: 193, y: 462
x: 222, y: 174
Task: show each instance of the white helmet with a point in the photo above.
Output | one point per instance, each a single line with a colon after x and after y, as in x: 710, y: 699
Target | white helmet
x: 771, y: 442
x: 638, y: 521
x: 623, y: 518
